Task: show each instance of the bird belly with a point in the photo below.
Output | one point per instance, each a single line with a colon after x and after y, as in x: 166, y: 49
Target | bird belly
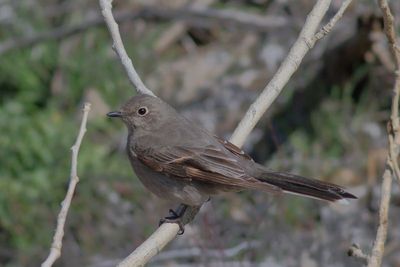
x: 175, y: 189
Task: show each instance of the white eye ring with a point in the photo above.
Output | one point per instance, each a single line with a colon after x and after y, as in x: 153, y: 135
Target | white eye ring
x: 142, y: 111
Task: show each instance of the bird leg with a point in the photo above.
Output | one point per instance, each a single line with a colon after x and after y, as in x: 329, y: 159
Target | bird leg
x: 175, y: 217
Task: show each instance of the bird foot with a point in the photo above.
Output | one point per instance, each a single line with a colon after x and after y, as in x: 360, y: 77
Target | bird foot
x: 174, y: 220
x: 175, y: 217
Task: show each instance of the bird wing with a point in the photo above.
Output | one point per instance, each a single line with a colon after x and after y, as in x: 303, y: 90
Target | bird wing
x: 210, y: 164
x: 233, y: 148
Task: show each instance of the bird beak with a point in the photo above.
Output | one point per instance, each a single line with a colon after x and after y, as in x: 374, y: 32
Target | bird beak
x: 114, y: 114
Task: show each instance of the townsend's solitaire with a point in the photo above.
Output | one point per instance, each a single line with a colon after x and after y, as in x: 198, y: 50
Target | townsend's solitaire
x: 178, y: 160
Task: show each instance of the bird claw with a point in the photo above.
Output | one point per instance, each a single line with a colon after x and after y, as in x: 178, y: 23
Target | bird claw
x: 175, y: 217
x: 173, y: 220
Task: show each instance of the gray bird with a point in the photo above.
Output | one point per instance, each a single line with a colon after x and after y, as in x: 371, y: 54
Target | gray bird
x: 178, y: 160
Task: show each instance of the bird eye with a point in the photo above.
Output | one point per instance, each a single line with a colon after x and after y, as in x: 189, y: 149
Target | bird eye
x: 142, y: 111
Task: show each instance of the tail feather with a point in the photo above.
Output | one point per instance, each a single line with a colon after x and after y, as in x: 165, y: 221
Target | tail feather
x: 298, y: 185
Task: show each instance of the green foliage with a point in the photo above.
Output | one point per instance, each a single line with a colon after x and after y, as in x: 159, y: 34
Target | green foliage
x: 39, y: 126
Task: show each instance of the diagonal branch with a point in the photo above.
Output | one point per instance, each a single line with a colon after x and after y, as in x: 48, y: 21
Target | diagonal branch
x: 56, y: 246
x: 306, y: 40
x: 356, y: 252
x: 328, y: 27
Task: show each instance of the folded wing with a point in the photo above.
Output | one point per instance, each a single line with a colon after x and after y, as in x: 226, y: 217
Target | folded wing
x: 209, y: 164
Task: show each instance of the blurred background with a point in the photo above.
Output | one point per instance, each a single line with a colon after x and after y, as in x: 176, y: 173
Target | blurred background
x: 209, y: 59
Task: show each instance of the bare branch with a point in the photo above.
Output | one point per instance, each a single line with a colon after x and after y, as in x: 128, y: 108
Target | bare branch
x: 118, y: 46
x: 356, y: 252
x: 157, y: 241
x: 303, y: 44
x: 328, y: 27
x: 56, y: 246
x: 392, y: 167
x: 379, y: 244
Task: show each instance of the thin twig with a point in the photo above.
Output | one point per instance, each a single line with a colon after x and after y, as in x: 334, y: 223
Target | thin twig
x: 303, y: 44
x: 118, y: 46
x: 390, y: 32
x: 375, y: 258
x: 392, y: 167
x: 328, y: 27
x: 55, y: 251
x: 356, y: 252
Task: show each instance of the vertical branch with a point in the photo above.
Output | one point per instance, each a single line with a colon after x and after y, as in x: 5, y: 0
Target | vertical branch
x: 118, y: 46
x: 379, y: 244
x: 56, y: 246
x: 392, y: 168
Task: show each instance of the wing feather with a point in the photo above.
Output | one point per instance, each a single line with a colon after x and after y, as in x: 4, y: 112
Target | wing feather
x: 207, y: 164
x: 233, y: 149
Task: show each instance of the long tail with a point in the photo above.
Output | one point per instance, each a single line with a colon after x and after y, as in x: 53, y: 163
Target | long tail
x: 294, y: 184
